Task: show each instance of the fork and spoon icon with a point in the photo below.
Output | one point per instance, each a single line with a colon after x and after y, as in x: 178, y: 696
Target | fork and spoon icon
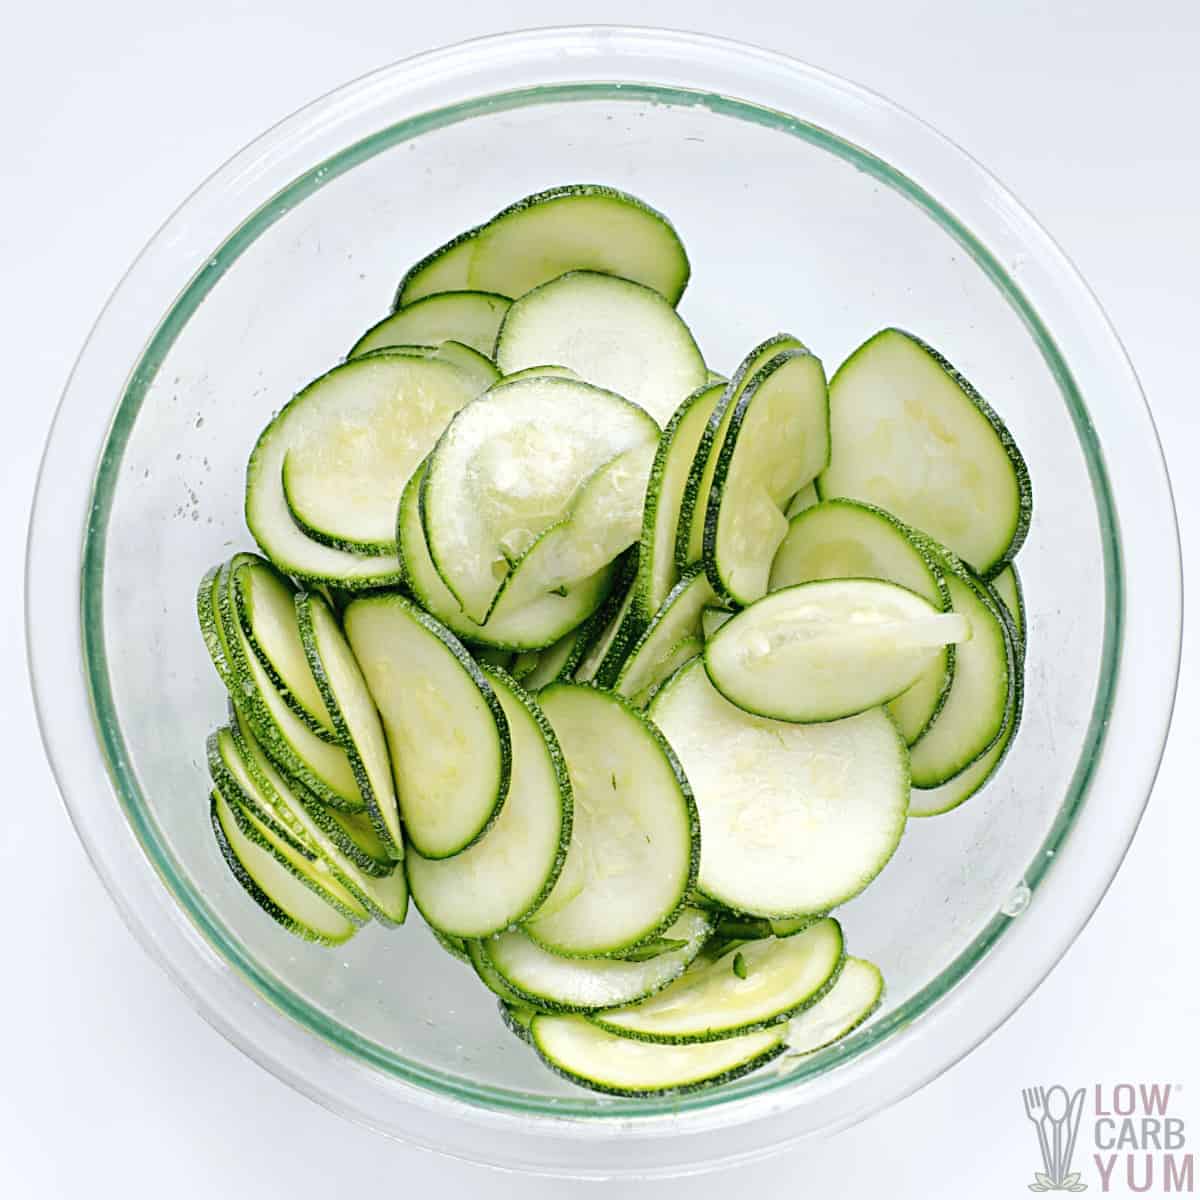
x: 1055, y: 1116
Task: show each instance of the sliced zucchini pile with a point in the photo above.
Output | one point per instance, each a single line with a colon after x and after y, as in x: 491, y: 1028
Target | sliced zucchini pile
x: 630, y: 673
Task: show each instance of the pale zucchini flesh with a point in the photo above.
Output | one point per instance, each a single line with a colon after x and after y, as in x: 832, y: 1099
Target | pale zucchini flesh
x: 507, y: 468
x: 676, y: 624
x: 505, y: 876
x: 689, y: 539
x: 912, y: 435
x: 594, y: 1058
x: 755, y: 986
x: 855, y: 995
x: 322, y: 767
x: 972, y: 717
x: 264, y: 605
x: 844, y: 539
x: 538, y: 624
x: 776, y: 441
x: 615, y: 333
x: 828, y: 649
x: 657, y: 569
x: 634, y: 843
x: 446, y: 731
x: 796, y: 819
x: 271, y: 886
x: 469, y: 317
x: 574, y: 227
x: 382, y: 893
x: 352, y: 440
x: 556, y: 984
x: 350, y: 705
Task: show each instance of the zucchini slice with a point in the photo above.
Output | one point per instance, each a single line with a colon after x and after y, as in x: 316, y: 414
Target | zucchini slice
x: 338, y: 456
x: 555, y: 984
x: 855, y: 995
x: 806, y: 497
x: 582, y: 1052
x: 932, y: 802
x: 1007, y: 586
x: 517, y: 1019
x: 635, y: 841
x: 711, y: 619
x: 538, y: 624
x: 473, y: 363
x: 615, y: 333
x: 972, y: 717
x: 351, y: 835
x: 267, y: 612
x: 352, y: 708
x: 602, y: 522
x: 776, y: 440
x: 910, y: 434
x: 828, y: 649
x: 505, y: 875
x: 657, y: 571
x: 323, y: 768
x: 472, y: 318
x: 603, y: 659
x: 752, y: 987
x: 507, y: 468
x: 796, y: 818
x: 550, y: 233
x: 383, y: 893
x: 689, y: 536
x: 674, y: 631
x: 843, y: 539
x: 271, y: 885
x: 548, y: 370
x: 447, y: 732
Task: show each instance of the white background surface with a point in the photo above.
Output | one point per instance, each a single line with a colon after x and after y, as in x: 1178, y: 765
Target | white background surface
x: 109, y: 1083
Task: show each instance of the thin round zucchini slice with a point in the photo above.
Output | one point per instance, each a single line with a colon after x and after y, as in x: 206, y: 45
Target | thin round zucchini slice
x: 472, y: 318
x: 338, y: 456
x: 657, y: 571
x: 505, y: 875
x: 911, y: 435
x: 674, y: 630
x: 615, y: 333
x: 352, y: 709
x: 602, y: 522
x: 534, y: 626
x: 603, y: 659
x: 556, y: 984
x: 689, y: 537
x: 972, y: 718
x: 582, y: 1052
x: 267, y: 612
x: 776, y: 441
x: 752, y: 987
x: 828, y: 649
x: 517, y: 1019
x: 1007, y: 585
x: 635, y: 842
x: 855, y: 995
x: 507, y: 468
x: 473, y: 363
x: 843, y: 539
x: 381, y: 891
x: 553, y: 370
x: 932, y: 802
x: 272, y: 886
x: 207, y: 614
x: 796, y: 819
x: 322, y: 767
x: 451, y: 751
x: 312, y: 870
x: 569, y: 228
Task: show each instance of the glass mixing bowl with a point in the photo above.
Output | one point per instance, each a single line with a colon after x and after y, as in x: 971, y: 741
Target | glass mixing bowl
x: 807, y: 204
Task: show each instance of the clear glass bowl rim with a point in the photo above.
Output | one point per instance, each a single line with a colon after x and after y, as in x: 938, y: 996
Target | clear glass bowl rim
x: 616, y: 48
